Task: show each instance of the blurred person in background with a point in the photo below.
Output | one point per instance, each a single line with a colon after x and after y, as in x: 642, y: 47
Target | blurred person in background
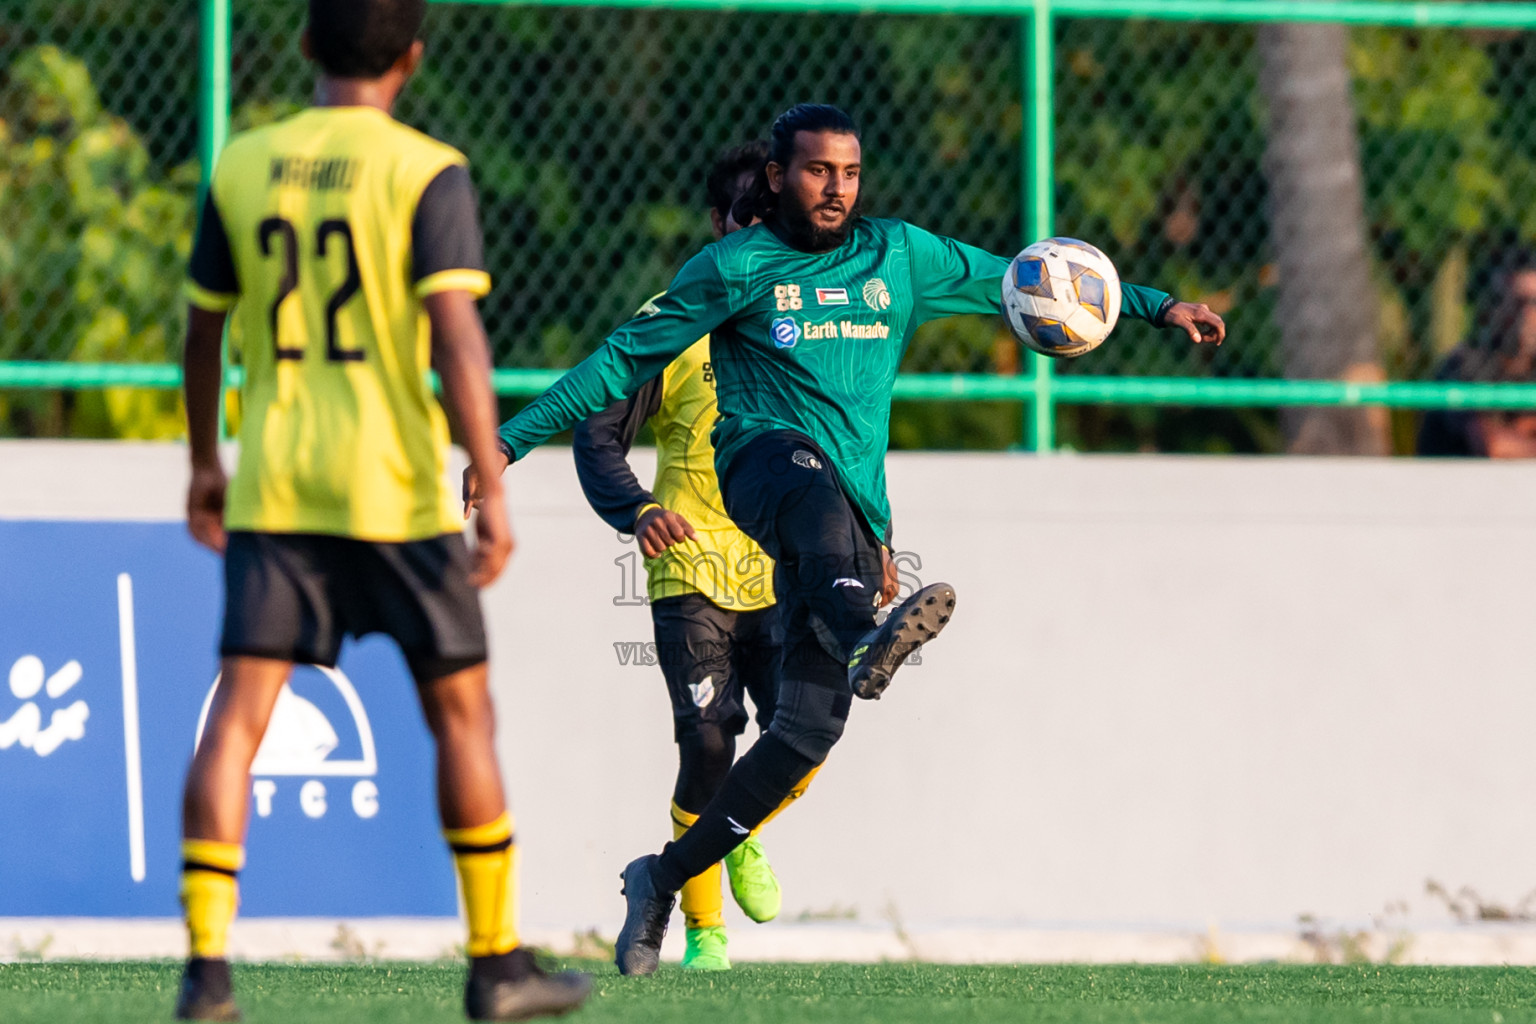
x: 1502, y: 348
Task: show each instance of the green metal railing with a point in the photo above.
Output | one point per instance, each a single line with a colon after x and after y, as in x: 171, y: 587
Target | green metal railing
x: 1039, y: 388
x: 928, y: 387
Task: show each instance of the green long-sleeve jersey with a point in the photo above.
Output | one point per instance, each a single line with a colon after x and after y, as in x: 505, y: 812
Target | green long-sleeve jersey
x: 800, y: 341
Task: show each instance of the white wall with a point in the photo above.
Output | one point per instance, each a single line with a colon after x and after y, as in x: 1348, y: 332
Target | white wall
x: 1175, y: 690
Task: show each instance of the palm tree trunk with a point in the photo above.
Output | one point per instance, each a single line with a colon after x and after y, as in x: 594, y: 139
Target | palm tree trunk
x: 1327, y: 305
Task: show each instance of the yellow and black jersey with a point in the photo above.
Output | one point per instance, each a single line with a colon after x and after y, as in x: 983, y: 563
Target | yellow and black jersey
x: 722, y: 563
x: 321, y: 234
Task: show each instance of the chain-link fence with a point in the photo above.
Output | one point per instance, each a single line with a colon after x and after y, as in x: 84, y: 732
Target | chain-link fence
x: 1160, y: 153
x: 589, y: 132
x: 98, y: 177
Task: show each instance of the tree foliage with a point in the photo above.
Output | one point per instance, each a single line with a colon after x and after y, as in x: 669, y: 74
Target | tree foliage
x: 589, y: 132
x: 93, y: 239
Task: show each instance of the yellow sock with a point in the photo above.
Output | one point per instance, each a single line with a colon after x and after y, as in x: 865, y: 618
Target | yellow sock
x: 703, y: 905
x: 486, y: 856
x: 794, y: 794
x: 210, y: 893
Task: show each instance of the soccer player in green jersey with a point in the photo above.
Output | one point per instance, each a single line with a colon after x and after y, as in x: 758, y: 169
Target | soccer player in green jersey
x: 809, y: 314
x: 710, y: 589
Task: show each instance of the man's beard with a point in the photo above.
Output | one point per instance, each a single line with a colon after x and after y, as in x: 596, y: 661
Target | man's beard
x: 801, y: 233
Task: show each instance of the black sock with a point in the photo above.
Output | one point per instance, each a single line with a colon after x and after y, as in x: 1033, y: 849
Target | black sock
x: 756, y: 785
x: 704, y: 756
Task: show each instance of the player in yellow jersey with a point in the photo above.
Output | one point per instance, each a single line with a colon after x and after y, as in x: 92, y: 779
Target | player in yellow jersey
x: 344, y: 250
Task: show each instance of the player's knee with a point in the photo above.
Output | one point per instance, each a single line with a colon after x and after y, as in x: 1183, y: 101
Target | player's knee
x: 812, y: 742
x: 456, y: 709
x: 706, y: 749
x: 812, y: 724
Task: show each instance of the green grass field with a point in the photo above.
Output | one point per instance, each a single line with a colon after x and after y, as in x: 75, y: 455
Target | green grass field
x: 50, y: 993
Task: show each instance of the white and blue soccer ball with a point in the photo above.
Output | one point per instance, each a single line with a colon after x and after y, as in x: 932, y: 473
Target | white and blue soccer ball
x: 1061, y: 297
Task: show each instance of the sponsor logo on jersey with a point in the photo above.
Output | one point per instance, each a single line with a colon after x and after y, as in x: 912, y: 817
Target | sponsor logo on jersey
x: 876, y: 295
x: 787, y: 296
x: 847, y: 581
x: 846, y: 329
x: 703, y: 691
x: 805, y: 459
x: 786, y: 332
x: 737, y: 826
x: 831, y: 296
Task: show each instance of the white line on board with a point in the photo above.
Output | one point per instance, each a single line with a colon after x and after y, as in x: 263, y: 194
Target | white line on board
x: 131, y: 727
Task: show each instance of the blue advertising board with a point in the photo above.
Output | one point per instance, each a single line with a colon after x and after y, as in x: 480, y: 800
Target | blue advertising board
x: 108, y: 660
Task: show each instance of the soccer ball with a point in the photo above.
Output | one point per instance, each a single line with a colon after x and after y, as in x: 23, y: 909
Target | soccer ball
x: 1061, y: 297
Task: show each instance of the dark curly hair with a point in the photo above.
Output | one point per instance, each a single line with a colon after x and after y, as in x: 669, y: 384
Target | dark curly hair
x: 362, y: 38
x: 729, y: 166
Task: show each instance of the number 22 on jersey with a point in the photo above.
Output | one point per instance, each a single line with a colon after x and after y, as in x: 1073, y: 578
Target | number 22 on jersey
x: 279, y: 239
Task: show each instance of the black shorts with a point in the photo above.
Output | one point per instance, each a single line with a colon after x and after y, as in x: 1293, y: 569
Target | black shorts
x: 782, y: 491
x: 711, y: 657
x: 294, y: 596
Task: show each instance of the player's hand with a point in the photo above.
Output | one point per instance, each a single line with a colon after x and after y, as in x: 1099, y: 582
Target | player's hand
x: 890, y: 580
x: 205, y: 507
x: 1196, y: 320
x: 473, y: 492
x: 493, y: 537
x: 659, y: 528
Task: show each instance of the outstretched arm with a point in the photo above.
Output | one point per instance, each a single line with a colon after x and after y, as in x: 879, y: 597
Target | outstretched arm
x: 695, y: 304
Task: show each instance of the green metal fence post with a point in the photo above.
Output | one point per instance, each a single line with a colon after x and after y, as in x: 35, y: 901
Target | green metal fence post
x: 1039, y: 193
x: 213, y: 84
x: 213, y: 119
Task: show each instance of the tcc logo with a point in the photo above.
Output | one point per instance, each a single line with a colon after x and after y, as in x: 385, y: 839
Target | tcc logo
x: 301, y: 740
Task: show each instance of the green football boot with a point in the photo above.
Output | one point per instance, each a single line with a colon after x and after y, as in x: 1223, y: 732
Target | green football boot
x: 706, y: 950
x: 753, y: 883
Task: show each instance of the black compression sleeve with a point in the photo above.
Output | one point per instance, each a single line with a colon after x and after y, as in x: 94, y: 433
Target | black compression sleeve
x: 601, y: 447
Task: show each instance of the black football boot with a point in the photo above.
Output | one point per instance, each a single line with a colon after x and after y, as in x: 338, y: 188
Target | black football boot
x: 910, y: 624
x: 512, y: 986
x: 638, y: 949
x: 207, y: 992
